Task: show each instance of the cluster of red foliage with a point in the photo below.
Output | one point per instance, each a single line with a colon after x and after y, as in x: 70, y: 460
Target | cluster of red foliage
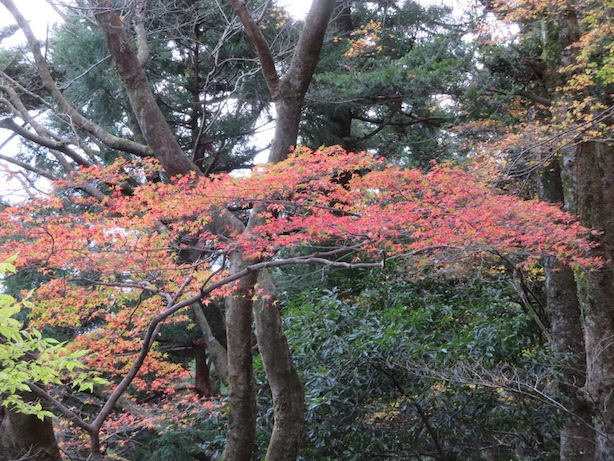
x: 98, y: 260
x: 132, y: 241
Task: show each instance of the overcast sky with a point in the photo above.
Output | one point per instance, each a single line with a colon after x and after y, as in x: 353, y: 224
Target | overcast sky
x: 42, y: 16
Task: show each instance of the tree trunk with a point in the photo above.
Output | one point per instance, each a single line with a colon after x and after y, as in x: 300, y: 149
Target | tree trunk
x: 577, y: 437
x: 590, y: 171
x: 242, y: 400
x: 288, y: 110
x: 202, y: 374
x: 285, y: 384
x: 217, y: 351
x: 341, y: 119
x: 150, y: 119
x: 288, y: 94
x: 27, y: 437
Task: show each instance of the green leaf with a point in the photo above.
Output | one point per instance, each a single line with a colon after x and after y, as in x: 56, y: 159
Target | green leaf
x: 11, y: 309
x: 6, y: 267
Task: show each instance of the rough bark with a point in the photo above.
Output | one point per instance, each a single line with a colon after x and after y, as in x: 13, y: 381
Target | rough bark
x: 563, y: 304
x: 577, y: 438
x: 590, y: 174
x: 27, y: 437
x: 288, y: 93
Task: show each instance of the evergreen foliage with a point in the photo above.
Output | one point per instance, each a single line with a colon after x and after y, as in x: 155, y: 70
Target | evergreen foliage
x: 449, y: 369
x: 381, y: 82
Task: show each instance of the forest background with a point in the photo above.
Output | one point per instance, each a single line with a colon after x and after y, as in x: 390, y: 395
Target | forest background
x: 425, y: 299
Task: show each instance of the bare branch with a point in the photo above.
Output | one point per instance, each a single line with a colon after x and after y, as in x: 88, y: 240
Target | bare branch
x: 59, y: 12
x: 92, y: 128
x: 66, y: 412
x: 28, y: 167
x: 524, y: 94
x: 141, y: 34
x: 260, y: 44
x: 58, y: 146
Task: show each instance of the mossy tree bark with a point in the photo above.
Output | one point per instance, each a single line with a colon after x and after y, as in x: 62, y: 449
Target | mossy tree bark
x: 577, y: 437
x: 590, y: 172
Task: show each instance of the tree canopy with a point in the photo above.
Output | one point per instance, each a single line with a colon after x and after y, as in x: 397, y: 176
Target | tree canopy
x: 421, y: 269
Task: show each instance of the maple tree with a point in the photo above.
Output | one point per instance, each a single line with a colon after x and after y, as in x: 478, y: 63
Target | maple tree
x: 113, y: 273
x: 153, y: 136
x: 116, y: 257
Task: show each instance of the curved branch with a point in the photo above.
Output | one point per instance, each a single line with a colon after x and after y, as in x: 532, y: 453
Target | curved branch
x: 43, y: 141
x: 307, y: 52
x: 28, y: 167
x: 70, y: 112
x: 523, y: 94
x: 66, y: 412
x: 253, y: 31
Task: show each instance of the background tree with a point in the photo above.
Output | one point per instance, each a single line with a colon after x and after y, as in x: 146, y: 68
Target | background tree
x: 554, y: 83
x: 439, y: 369
x: 383, y: 77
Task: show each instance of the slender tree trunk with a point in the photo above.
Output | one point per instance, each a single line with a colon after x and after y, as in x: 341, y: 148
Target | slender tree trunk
x: 577, y: 437
x: 589, y: 168
x: 288, y: 94
x: 217, y: 351
x: 285, y: 384
x: 341, y: 119
x: 27, y: 437
x: 242, y: 400
x: 202, y: 375
x: 286, y: 387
